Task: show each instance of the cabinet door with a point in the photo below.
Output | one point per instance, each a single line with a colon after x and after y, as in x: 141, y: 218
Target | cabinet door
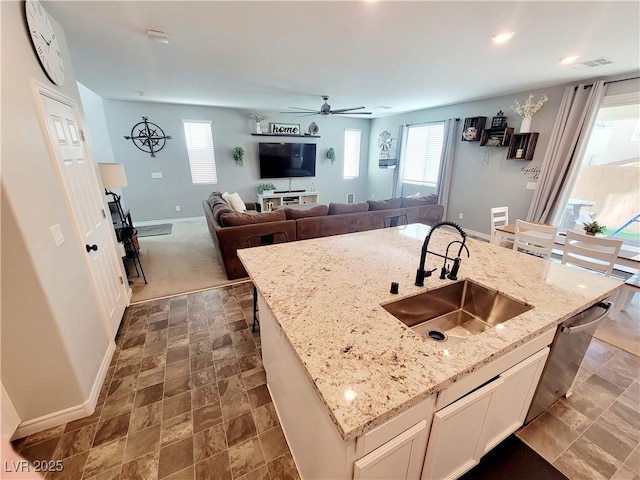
x: 399, y: 458
x: 510, y: 403
x: 455, y: 442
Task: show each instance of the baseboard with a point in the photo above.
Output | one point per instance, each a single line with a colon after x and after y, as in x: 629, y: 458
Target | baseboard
x: 480, y: 235
x: 70, y: 414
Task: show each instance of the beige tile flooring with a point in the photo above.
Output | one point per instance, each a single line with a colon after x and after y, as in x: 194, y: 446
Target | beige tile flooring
x: 184, y: 398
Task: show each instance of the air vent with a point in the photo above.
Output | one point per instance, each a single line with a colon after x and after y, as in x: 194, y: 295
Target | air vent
x: 591, y: 63
x: 351, y: 197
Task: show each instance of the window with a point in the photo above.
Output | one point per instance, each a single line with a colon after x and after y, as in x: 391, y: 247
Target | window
x: 423, y: 153
x: 606, y: 185
x: 200, y: 148
x: 351, y: 153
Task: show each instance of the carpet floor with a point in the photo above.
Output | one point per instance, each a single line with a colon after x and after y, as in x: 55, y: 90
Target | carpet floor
x: 153, y: 230
x: 184, y: 261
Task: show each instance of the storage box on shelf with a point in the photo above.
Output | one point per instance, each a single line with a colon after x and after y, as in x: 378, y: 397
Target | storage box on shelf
x: 522, y: 146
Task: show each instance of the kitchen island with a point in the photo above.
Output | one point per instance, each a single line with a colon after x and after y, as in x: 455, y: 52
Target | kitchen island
x: 369, y: 378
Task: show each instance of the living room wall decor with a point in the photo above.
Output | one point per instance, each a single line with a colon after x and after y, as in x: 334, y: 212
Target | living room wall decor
x: 148, y: 137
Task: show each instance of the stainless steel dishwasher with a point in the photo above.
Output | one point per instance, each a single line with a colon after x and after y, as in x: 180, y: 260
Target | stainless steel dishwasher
x: 568, y: 349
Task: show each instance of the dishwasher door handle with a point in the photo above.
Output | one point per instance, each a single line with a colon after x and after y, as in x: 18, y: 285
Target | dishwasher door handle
x: 568, y: 330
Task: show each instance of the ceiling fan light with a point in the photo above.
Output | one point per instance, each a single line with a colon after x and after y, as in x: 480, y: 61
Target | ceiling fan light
x: 502, y: 37
x: 157, y: 36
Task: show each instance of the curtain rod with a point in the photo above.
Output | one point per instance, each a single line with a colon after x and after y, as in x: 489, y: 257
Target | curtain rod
x: 612, y: 81
x: 426, y: 123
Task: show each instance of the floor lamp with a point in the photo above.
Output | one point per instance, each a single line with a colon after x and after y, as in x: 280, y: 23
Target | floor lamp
x: 113, y: 176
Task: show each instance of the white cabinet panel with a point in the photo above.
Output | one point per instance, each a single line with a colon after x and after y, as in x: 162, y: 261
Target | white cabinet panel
x: 454, y: 445
x: 399, y: 458
x: 510, y: 404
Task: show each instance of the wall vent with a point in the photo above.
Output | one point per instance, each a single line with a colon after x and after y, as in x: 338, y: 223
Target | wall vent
x: 598, y: 62
x: 351, y: 197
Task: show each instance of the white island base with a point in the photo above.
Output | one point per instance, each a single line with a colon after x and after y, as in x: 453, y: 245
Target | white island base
x: 441, y: 436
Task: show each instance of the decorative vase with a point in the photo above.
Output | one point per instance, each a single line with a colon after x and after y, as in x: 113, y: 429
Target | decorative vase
x: 525, y: 126
x: 258, y: 128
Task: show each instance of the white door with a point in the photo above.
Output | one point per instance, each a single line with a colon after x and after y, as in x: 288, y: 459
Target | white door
x: 85, y: 200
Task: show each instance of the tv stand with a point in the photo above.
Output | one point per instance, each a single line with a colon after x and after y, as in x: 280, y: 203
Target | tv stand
x: 282, y: 198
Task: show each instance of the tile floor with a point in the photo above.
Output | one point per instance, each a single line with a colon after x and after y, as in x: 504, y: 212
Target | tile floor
x: 595, y: 433
x: 185, y: 398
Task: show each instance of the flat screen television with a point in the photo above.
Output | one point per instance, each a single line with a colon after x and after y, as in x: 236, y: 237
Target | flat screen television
x: 282, y: 160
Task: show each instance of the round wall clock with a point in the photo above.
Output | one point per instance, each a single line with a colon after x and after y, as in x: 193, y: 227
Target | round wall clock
x: 44, y: 41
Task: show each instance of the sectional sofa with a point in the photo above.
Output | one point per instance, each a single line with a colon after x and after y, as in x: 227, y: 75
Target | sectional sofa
x: 231, y: 230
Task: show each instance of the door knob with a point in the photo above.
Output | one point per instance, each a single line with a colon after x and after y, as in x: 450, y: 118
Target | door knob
x: 91, y: 247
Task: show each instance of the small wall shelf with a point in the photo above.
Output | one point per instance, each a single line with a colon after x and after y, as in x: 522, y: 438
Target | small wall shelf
x: 496, y: 137
x: 283, y: 135
x: 473, y: 122
x: 522, y: 146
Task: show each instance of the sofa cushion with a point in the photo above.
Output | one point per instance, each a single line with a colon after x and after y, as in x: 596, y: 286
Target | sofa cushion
x: 414, y: 201
x: 317, y: 211
x: 236, y: 202
x: 340, y: 208
x: 384, y: 204
x: 234, y: 219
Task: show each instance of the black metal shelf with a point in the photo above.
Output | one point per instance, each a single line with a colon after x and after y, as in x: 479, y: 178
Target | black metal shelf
x: 283, y: 135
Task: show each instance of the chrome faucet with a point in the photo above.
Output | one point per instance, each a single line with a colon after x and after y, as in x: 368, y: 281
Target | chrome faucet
x: 445, y: 273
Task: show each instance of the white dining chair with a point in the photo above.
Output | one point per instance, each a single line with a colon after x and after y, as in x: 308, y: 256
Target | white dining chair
x: 594, y: 253
x: 499, y: 218
x: 534, y: 238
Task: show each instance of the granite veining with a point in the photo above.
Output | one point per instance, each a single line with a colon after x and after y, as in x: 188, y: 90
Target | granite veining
x: 366, y: 366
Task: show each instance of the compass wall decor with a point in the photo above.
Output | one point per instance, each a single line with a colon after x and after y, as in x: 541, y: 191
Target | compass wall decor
x: 148, y: 137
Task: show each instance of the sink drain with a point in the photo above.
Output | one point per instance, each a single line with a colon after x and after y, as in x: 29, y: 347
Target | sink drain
x: 437, y: 335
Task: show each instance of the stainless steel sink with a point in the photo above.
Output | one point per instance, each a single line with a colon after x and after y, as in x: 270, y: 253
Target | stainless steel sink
x: 456, y: 311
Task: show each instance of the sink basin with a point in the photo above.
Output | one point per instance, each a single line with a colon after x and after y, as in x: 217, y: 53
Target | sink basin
x: 456, y: 311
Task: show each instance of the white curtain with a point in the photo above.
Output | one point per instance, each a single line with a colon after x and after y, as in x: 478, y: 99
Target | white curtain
x: 446, y: 162
x: 570, y: 134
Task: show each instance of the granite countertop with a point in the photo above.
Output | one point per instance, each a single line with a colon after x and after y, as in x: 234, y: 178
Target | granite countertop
x: 365, y: 365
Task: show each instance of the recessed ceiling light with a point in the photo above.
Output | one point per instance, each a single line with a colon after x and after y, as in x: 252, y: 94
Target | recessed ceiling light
x: 502, y: 37
x: 158, y: 36
x: 569, y: 59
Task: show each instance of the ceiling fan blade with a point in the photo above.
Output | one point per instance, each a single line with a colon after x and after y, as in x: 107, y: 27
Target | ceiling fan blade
x: 303, y: 109
x: 351, y: 113
x: 342, y: 110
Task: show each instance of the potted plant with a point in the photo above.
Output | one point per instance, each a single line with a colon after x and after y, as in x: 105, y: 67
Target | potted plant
x: 331, y: 155
x: 238, y: 155
x: 592, y: 228
x: 265, y: 187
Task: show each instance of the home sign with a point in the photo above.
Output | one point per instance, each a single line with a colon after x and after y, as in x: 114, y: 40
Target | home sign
x: 284, y: 128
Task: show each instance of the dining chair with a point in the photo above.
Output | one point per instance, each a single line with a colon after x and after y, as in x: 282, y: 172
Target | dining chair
x: 256, y: 241
x: 534, y: 238
x: 594, y: 253
x: 499, y: 218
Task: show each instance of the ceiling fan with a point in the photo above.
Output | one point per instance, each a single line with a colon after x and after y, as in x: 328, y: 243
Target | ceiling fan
x: 325, y: 110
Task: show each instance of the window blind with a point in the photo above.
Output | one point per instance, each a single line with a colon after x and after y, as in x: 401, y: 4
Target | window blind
x: 423, y: 154
x: 202, y: 160
x: 351, y: 153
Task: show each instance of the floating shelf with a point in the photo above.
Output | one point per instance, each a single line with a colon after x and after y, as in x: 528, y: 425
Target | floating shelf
x: 496, y: 137
x: 524, y: 144
x: 283, y: 135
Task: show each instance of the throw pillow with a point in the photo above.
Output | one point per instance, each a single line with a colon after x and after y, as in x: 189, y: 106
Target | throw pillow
x: 317, y: 211
x: 236, y: 203
x: 384, y: 204
x: 338, y: 208
x: 249, y: 218
x: 225, y: 197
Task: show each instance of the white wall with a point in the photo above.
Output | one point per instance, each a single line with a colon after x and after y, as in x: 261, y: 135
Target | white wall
x: 53, y: 335
x: 153, y: 199
x: 96, y: 125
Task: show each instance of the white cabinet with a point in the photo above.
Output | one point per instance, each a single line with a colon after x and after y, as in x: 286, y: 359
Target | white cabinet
x: 471, y: 426
x: 269, y: 201
x: 400, y: 458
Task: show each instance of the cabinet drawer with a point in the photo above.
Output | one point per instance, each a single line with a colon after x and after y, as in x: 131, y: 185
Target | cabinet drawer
x: 371, y: 440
